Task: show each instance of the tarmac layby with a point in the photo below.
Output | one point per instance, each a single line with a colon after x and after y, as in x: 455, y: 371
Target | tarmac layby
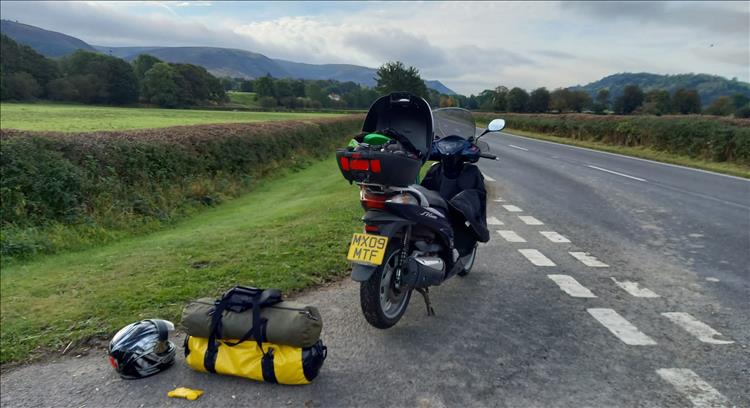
x: 609, y: 282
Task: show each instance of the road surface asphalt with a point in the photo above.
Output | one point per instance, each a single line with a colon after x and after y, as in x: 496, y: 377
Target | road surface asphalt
x: 610, y: 296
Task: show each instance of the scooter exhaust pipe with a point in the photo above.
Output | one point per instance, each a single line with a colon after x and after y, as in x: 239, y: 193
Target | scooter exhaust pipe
x: 424, y: 271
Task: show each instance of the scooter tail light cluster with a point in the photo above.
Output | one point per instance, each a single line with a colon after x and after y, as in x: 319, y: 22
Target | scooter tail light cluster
x: 371, y: 228
x: 360, y: 164
x: 372, y: 201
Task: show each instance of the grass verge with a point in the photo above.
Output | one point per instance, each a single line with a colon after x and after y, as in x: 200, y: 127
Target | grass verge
x: 83, y: 118
x: 288, y: 233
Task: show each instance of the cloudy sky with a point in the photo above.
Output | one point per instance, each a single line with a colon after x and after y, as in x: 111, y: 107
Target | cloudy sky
x: 468, y: 46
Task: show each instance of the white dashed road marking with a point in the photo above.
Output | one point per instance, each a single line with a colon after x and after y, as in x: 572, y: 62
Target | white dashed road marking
x: 619, y: 174
x: 699, y: 392
x: 620, y: 327
x: 634, y: 289
x: 554, y: 237
x: 519, y: 148
x: 695, y: 327
x: 571, y: 286
x: 488, y: 178
x: 512, y: 208
x: 510, y: 236
x: 588, y: 260
x: 529, y: 220
x: 494, y: 221
x: 499, y: 200
x: 712, y: 280
x: 536, y: 257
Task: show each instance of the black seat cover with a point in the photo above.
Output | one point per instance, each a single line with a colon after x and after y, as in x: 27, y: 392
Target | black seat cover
x: 433, y: 197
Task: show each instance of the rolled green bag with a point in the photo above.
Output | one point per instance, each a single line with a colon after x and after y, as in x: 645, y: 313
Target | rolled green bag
x: 289, y: 323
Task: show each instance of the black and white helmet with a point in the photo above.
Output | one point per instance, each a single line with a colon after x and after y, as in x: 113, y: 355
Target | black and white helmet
x: 142, y: 349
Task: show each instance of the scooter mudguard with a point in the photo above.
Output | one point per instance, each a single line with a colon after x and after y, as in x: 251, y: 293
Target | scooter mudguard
x: 361, y: 273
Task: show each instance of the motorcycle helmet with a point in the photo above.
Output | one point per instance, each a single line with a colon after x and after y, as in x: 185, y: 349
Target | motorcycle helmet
x: 142, y: 349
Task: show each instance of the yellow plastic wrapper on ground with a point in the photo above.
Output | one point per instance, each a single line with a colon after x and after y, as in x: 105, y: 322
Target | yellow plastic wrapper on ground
x: 184, y: 392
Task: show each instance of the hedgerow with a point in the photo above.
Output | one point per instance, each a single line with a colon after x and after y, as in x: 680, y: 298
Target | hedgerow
x: 67, y: 191
x: 699, y: 137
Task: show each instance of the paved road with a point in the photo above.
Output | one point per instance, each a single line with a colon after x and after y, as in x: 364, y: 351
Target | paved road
x: 605, y: 284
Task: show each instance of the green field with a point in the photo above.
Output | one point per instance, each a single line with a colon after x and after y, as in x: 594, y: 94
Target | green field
x: 247, y: 99
x: 288, y: 233
x: 84, y: 118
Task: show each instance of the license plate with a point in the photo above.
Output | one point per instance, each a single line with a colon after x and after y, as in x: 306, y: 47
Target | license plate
x: 367, y: 248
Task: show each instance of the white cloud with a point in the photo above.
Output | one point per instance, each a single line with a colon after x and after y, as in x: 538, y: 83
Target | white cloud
x: 468, y: 46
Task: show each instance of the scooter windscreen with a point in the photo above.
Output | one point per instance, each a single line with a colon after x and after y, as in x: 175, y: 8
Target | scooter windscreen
x: 454, y: 122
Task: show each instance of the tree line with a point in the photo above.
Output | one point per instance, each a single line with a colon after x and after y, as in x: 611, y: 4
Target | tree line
x: 94, y: 78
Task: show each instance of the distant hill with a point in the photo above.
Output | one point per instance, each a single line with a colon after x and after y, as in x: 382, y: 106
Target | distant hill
x: 49, y: 43
x: 709, y: 87
x: 218, y: 61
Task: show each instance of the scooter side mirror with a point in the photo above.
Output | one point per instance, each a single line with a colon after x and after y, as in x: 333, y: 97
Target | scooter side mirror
x: 495, y: 126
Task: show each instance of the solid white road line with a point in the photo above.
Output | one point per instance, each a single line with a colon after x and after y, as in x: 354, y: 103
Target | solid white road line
x: 620, y: 327
x: 617, y: 173
x: 488, y: 178
x: 634, y: 289
x: 536, y: 257
x: 695, y: 327
x: 529, y: 220
x: 554, y: 237
x: 588, y: 260
x: 512, y: 208
x: 499, y: 200
x: 571, y: 286
x: 494, y: 221
x: 519, y: 148
x: 510, y: 236
x: 699, y: 392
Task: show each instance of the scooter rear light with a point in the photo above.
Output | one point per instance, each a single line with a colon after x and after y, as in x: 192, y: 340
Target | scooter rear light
x: 375, y: 166
x: 360, y: 164
x: 345, y: 163
x: 371, y: 228
x: 372, y: 201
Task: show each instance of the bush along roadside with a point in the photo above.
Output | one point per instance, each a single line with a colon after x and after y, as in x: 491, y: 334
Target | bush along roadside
x: 697, y: 137
x: 68, y: 191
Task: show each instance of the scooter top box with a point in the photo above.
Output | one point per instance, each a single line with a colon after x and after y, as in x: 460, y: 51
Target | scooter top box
x: 370, y: 166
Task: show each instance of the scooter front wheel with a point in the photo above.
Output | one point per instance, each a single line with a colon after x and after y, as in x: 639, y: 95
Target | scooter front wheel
x: 383, y: 303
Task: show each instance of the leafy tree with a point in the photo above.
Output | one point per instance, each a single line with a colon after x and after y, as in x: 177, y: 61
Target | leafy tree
x: 560, y: 100
x: 142, y: 63
x: 740, y: 100
x: 472, y: 103
x: 686, y: 101
x: 539, y: 100
x: 227, y: 84
x: 602, y: 97
x: 298, y: 88
x: 283, y: 89
x: 160, y: 86
x: 657, y: 102
x: 21, y: 86
x: 18, y: 58
x: 518, y: 100
x: 394, y: 76
x: 446, y: 101
x: 315, y: 93
x: 122, y: 85
x: 62, y: 89
x: 246, y: 86
x: 721, y: 106
x: 579, y: 100
x: 631, y: 98
x: 267, y: 102
x: 265, y: 86
x: 89, y: 88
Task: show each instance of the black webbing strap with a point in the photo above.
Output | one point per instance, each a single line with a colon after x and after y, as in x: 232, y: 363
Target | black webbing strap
x: 257, y: 300
x: 266, y: 364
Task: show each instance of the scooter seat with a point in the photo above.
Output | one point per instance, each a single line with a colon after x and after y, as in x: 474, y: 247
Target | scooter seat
x: 433, y: 197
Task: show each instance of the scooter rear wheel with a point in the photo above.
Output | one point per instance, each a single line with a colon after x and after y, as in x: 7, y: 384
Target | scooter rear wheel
x: 382, y: 303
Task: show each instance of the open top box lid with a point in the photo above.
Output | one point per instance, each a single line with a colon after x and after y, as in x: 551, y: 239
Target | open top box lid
x: 406, y: 113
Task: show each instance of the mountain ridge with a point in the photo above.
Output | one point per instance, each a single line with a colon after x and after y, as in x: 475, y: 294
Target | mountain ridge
x: 709, y: 87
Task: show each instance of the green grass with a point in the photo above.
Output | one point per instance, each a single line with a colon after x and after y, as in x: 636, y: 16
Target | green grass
x: 247, y: 99
x: 289, y: 233
x: 84, y: 118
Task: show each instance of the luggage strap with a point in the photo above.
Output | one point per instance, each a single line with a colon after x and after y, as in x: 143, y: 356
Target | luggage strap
x: 238, y: 299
